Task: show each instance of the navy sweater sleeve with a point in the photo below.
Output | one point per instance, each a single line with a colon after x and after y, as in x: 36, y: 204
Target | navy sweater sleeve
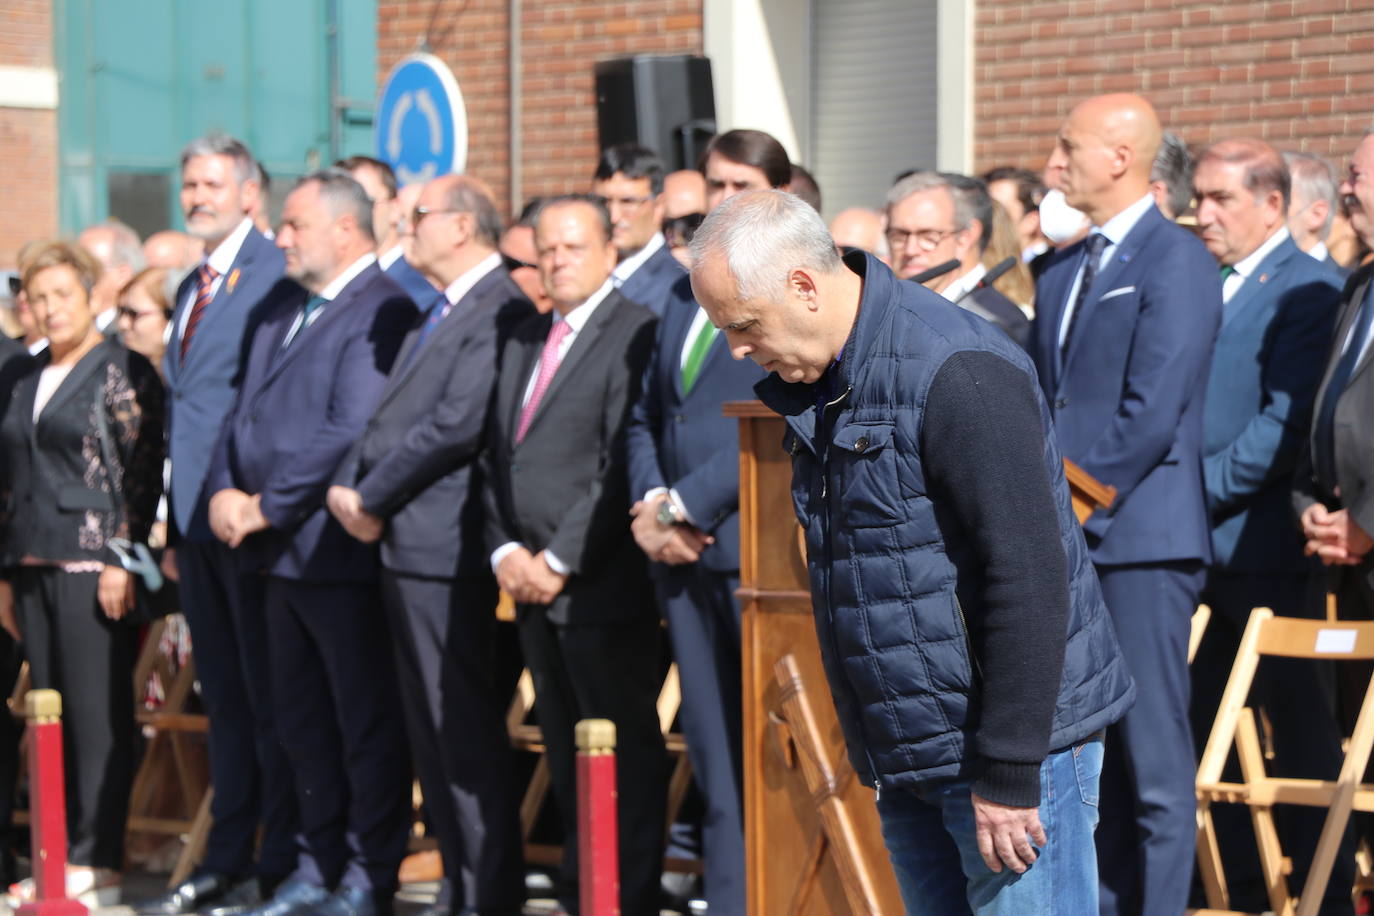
x: 983, y: 450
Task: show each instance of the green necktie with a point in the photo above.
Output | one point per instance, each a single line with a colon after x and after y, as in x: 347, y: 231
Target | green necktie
x: 312, y: 305
x: 697, y: 355
x: 1226, y: 271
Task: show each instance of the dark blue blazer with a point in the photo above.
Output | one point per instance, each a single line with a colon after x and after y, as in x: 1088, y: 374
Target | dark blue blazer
x: 1128, y: 395
x: 201, y: 389
x: 652, y: 284
x: 298, y: 412
x: 420, y: 290
x: 1275, y: 334
x: 416, y: 464
x: 684, y: 441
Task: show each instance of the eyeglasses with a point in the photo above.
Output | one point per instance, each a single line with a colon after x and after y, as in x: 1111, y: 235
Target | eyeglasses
x: 927, y: 239
x: 680, y: 229
x: 133, y: 314
x: 420, y: 213
x: 513, y: 263
x: 627, y: 203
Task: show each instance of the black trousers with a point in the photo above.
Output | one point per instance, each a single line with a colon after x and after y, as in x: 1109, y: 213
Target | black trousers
x: 604, y: 671
x: 334, y: 689
x: 75, y: 649
x: 444, y: 635
x: 224, y: 609
x: 1307, y: 741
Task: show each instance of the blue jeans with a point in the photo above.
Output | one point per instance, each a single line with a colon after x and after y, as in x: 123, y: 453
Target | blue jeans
x: 931, y: 839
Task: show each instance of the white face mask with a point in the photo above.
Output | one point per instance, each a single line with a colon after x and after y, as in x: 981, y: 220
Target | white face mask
x: 1058, y: 220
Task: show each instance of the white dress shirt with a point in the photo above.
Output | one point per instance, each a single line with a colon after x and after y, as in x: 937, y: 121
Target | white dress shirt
x: 469, y: 278
x: 220, y: 261
x: 964, y: 283
x: 1245, y: 268
x: 1115, y: 229
x: 625, y: 268
x: 577, y: 319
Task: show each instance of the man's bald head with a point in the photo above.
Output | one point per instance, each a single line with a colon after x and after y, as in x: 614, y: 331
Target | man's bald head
x: 860, y: 227
x: 684, y: 192
x: 1104, y: 153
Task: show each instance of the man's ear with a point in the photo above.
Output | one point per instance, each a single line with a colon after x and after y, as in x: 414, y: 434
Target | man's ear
x: 802, y: 284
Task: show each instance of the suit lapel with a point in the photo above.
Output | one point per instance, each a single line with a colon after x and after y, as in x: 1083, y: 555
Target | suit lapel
x: 676, y: 342
x: 1253, y: 285
x: 517, y: 379
x: 582, y: 344
x: 308, y: 333
x: 1352, y: 308
x: 1106, y: 279
x: 75, y: 381
x: 229, y: 288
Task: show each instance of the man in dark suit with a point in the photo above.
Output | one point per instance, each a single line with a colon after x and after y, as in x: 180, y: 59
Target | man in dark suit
x: 1122, y: 342
x: 935, y: 217
x: 379, y: 181
x: 1277, y: 317
x: 630, y: 178
x: 412, y: 481
x: 217, y: 306
x: 1331, y: 491
x: 315, y: 371
x: 684, y: 476
x: 556, y: 498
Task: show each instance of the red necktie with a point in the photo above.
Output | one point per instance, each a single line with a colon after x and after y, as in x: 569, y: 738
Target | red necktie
x: 204, y: 293
x: 548, y: 365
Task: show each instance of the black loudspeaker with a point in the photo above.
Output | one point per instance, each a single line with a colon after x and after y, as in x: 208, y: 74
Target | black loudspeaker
x: 665, y: 103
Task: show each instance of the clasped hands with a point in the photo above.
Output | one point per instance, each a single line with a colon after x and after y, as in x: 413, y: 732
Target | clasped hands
x: 346, y: 505
x: 671, y: 544
x: 1334, y: 537
x: 528, y: 578
x: 234, y: 515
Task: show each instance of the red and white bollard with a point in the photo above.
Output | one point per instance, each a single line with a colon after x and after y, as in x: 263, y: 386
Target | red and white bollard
x: 47, y: 808
x: 598, y: 841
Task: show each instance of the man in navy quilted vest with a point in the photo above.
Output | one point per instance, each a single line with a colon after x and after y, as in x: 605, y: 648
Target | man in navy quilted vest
x: 964, y: 636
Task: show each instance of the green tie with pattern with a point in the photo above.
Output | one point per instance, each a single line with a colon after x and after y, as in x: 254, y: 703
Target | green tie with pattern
x: 697, y: 355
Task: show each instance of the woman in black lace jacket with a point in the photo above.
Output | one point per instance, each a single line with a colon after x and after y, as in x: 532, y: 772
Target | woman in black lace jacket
x: 83, y: 450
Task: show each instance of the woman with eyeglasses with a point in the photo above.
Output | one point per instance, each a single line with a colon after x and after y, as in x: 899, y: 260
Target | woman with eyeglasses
x: 82, y: 465
x: 144, y: 316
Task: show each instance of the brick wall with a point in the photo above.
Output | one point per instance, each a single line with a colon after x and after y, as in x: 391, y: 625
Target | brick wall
x: 560, y: 41
x: 1298, y: 74
x: 28, y: 137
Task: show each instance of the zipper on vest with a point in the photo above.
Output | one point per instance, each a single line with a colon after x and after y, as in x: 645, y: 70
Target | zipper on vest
x: 825, y: 445
x: 968, y: 640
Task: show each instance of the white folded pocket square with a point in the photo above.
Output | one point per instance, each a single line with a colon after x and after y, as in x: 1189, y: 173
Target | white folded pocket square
x: 1119, y: 291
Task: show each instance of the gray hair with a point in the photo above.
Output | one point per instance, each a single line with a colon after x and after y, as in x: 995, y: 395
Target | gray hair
x: 343, y: 196
x: 245, y: 166
x: 970, y: 197
x: 762, y: 235
x: 1314, y: 179
x: 1174, y: 167
x: 126, y: 250
x: 471, y: 196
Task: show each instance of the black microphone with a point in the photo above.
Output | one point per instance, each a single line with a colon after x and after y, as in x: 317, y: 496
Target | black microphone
x: 937, y: 271
x: 990, y: 277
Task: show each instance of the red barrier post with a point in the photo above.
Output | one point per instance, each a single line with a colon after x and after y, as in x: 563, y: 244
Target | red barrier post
x: 47, y: 808
x: 598, y: 848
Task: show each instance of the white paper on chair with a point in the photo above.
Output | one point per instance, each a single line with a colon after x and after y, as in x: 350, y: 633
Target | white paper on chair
x: 1336, y: 642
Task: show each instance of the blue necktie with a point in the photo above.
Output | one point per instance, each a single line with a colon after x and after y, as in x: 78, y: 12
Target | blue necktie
x: 1093, y: 247
x: 1323, y: 424
x: 437, y: 312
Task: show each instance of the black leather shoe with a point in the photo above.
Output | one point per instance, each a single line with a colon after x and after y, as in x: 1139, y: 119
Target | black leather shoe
x: 354, y: 901
x: 293, y: 898
x: 238, y: 900
x: 201, y: 890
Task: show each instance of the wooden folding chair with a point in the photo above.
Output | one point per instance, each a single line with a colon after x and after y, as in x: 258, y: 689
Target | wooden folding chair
x: 1235, y: 725
x: 1201, y: 617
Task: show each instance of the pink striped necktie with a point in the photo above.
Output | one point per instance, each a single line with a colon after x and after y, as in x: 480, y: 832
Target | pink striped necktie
x: 548, y: 365
x: 206, y: 277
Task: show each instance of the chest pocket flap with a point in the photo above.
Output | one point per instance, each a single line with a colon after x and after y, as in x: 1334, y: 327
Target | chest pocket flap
x: 864, y: 467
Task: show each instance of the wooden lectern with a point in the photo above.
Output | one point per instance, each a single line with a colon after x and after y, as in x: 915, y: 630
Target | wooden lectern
x: 813, y: 843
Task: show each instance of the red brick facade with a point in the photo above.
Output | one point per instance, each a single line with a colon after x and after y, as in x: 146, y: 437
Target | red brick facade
x: 28, y: 137
x: 1298, y: 74
x: 560, y: 41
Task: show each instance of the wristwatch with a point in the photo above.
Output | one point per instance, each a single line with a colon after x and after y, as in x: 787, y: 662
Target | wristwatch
x: 668, y: 513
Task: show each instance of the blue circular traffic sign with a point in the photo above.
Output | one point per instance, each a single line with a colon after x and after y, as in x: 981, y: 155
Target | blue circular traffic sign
x: 422, y: 124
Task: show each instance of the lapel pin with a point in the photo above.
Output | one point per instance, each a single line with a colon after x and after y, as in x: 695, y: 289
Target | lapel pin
x: 233, y: 279
x: 1264, y: 278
